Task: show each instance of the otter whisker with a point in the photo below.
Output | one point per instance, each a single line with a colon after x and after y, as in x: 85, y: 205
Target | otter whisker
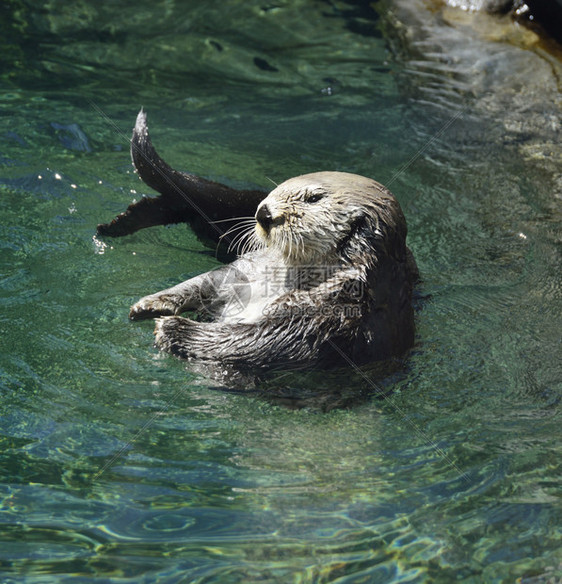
x: 245, y: 240
x: 256, y: 243
x: 293, y: 242
x: 244, y: 224
x: 297, y: 239
x: 287, y: 244
x: 234, y: 228
x: 231, y: 242
x: 232, y: 219
x: 243, y: 243
x: 241, y: 224
x: 239, y: 238
x: 251, y: 243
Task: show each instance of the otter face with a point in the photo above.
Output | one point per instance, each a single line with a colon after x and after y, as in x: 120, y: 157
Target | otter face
x: 307, y: 218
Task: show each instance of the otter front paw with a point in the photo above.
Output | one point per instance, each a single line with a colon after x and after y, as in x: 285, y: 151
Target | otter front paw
x: 152, y: 306
x: 172, y: 334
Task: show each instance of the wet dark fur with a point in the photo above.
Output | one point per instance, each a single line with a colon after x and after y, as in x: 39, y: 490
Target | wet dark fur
x: 184, y: 197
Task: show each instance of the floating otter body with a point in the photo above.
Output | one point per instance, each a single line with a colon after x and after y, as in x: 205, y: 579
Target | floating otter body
x: 326, y: 278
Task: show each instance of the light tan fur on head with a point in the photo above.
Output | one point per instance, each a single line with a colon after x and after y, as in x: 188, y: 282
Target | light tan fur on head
x: 308, y: 218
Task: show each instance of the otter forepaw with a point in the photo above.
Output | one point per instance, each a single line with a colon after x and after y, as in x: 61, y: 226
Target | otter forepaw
x: 172, y: 334
x: 151, y: 307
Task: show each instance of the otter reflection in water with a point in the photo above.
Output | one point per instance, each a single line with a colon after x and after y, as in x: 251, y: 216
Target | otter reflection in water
x: 324, y: 276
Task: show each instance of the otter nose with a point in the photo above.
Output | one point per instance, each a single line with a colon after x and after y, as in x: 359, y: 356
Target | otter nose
x: 264, y: 217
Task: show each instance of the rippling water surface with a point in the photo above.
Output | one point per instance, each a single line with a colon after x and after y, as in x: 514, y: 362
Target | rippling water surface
x: 117, y: 463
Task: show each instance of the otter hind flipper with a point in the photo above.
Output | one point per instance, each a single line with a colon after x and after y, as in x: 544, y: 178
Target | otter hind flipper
x: 184, y: 197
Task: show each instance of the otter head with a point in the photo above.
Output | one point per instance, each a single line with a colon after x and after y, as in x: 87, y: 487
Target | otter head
x: 329, y: 217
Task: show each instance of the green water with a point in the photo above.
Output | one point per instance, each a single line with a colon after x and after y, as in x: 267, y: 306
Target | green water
x: 118, y: 464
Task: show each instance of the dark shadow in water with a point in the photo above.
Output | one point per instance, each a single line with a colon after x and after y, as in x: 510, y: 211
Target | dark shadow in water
x: 321, y: 390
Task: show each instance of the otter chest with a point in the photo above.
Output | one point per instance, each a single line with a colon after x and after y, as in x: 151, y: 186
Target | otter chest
x: 251, y: 295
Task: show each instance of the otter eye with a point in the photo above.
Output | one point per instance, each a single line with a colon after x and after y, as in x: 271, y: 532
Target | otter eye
x: 314, y: 198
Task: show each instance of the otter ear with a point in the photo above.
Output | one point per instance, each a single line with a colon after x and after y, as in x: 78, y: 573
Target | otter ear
x: 359, y: 226
x: 358, y: 240
x: 362, y: 223
x: 358, y: 215
x: 366, y: 229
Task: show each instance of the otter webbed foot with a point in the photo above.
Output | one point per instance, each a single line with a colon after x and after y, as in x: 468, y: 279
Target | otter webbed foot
x: 152, y: 307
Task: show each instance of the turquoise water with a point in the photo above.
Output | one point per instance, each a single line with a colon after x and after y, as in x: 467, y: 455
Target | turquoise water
x: 118, y: 464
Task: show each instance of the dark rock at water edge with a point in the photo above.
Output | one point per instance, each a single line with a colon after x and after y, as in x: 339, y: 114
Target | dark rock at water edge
x: 501, y: 72
x: 546, y: 13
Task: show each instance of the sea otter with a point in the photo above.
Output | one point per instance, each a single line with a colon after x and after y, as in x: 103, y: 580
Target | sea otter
x: 324, y: 278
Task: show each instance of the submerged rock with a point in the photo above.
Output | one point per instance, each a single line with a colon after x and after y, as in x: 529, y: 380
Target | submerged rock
x: 489, y: 65
x: 72, y: 137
